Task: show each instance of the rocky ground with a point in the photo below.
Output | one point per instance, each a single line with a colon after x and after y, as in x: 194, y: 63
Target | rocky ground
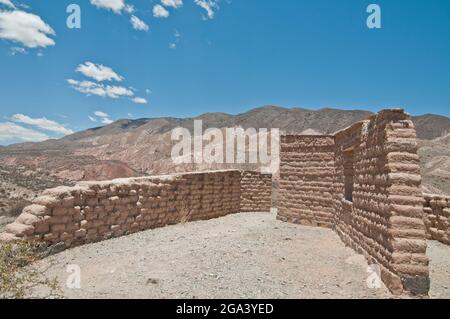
x: 238, y: 256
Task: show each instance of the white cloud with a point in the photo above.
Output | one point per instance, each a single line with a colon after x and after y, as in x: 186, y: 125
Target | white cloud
x: 160, y: 12
x: 172, y: 3
x: 138, y: 24
x: 107, y: 121
x: 114, y: 5
x: 12, y: 132
x: 116, y: 91
x: 41, y: 123
x: 209, y: 5
x: 26, y: 28
x: 173, y: 45
x: 92, y: 88
x: 101, y: 114
x: 98, y: 72
x: 129, y: 8
x: 72, y: 82
x: 139, y: 100
x: 102, y: 117
x: 17, y: 50
x: 7, y: 3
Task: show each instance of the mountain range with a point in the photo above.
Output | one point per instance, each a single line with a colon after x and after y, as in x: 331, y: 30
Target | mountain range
x: 137, y: 147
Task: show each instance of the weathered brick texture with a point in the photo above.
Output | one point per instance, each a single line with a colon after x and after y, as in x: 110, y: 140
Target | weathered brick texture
x: 256, y: 192
x: 306, y: 180
x: 94, y: 211
x: 437, y: 217
x: 365, y: 183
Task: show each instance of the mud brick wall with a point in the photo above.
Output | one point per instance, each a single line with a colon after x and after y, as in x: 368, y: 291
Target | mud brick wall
x: 94, y: 211
x: 370, y: 173
x: 384, y: 219
x: 256, y: 192
x: 437, y: 217
x: 306, y: 180
x: 408, y: 261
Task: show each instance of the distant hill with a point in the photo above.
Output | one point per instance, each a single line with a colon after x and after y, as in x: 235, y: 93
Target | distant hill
x: 435, y: 158
x: 295, y: 120
x: 136, y: 147
x: 430, y: 126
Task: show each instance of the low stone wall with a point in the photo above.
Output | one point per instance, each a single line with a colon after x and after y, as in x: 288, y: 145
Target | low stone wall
x: 437, y: 217
x: 306, y: 180
x: 256, y: 192
x: 95, y: 211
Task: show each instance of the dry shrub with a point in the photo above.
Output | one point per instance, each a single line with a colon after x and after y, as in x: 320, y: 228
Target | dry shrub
x: 184, y: 212
x: 17, y: 275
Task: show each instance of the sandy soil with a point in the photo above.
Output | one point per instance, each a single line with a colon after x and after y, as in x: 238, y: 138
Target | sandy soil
x: 248, y: 255
x: 439, y: 255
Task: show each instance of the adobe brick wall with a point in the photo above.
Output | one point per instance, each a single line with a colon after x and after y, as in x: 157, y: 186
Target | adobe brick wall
x: 383, y: 219
x: 306, y: 179
x: 94, y: 211
x: 437, y: 217
x: 256, y: 192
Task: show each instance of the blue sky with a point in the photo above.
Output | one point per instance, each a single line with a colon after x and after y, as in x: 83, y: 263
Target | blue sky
x: 247, y: 53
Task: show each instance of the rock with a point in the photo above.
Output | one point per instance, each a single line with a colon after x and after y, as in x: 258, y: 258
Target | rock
x: 54, y: 249
x: 20, y: 230
x: 80, y: 233
x: 418, y: 285
x: 152, y: 281
x: 47, y: 201
x: 36, y: 210
x: 27, y: 219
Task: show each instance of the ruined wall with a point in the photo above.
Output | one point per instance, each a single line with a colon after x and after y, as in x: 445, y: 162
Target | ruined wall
x: 256, y: 192
x: 376, y: 201
x: 384, y: 219
x: 94, y: 211
x: 306, y: 179
x: 437, y: 217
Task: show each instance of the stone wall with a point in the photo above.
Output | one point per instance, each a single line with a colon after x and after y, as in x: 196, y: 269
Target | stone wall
x: 306, y: 179
x: 256, y: 192
x: 376, y: 201
x: 94, y: 211
x: 437, y: 217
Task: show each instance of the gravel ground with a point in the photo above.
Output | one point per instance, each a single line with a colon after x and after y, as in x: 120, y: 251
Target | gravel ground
x: 249, y: 255
x: 439, y: 255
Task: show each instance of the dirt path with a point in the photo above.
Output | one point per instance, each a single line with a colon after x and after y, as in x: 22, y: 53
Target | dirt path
x: 248, y: 255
